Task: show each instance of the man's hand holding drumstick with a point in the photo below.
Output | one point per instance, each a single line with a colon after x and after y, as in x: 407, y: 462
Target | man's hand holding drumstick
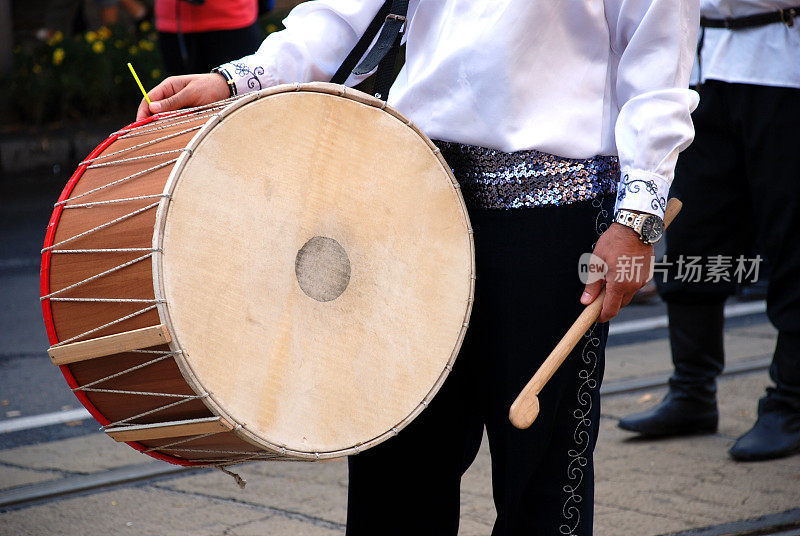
x: 525, y: 408
x: 178, y: 92
x: 617, y: 247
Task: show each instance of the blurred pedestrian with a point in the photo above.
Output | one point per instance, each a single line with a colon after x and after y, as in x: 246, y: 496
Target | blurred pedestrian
x: 197, y: 35
x: 109, y: 11
x: 70, y: 16
x: 740, y: 184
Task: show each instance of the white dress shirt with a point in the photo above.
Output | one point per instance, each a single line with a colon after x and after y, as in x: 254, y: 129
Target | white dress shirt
x: 766, y: 55
x: 574, y: 78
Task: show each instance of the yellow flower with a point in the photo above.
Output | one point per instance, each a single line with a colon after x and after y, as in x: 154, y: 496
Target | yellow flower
x: 37, y: 69
x: 56, y: 38
x: 98, y: 47
x: 144, y: 25
x: 119, y: 43
x: 155, y: 73
x: 132, y: 50
x: 146, y: 45
x: 103, y: 33
x: 91, y: 36
x: 58, y: 56
x: 271, y: 28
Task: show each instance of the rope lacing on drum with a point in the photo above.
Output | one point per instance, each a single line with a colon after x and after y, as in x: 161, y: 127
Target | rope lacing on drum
x: 214, y: 462
x: 104, y: 250
x: 102, y: 226
x: 142, y: 145
x: 193, y: 118
x: 139, y: 393
x: 108, y: 324
x: 169, y: 119
x: 124, y: 422
x: 162, y: 356
x: 114, y: 201
x: 241, y: 482
x: 182, y: 441
x: 89, y: 387
x: 119, y: 181
x: 231, y: 452
x: 107, y: 300
x: 97, y: 276
x: 136, y: 158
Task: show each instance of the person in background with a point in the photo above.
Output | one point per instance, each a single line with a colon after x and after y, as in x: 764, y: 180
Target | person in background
x: 70, y: 16
x: 109, y: 11
x: 740, y: 186
x: 196, y: 35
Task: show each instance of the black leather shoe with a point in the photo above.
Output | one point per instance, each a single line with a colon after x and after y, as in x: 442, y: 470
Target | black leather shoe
x: 776, y: 434
x: 676, y: 415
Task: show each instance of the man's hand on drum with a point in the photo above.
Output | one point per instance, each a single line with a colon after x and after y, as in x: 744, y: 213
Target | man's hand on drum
x: 178, y: 92
x: 629, y: 263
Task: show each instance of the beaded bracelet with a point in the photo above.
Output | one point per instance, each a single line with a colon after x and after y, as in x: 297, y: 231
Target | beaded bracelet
x: 228, y: 79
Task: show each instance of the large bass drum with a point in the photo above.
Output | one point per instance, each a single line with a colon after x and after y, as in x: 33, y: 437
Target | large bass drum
x: 286, y: 275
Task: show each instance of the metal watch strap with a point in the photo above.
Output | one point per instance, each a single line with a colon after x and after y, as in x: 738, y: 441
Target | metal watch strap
x: 627, y: 218
x: 228, y: 80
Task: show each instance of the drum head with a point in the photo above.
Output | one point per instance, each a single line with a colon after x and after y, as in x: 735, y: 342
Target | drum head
x: 317, y: 268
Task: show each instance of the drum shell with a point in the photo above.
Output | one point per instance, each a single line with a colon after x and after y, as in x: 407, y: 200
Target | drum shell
x: 67, y: 320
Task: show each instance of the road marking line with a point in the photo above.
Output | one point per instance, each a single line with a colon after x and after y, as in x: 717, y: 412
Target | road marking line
x: 20, y: 263
x: 645, y: 324
x: 45, y: 419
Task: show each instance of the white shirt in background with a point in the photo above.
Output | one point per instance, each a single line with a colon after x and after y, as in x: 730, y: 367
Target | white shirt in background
x: 766, y: 55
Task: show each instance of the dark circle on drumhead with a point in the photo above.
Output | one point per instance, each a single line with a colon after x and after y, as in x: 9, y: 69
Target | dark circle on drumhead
x: 322, y: 268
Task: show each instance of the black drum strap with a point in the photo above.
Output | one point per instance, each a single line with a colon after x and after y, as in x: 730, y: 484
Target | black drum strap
x: 389, y: 21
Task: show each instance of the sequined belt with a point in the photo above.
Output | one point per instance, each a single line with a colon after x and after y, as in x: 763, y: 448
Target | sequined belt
x: 492, y: 179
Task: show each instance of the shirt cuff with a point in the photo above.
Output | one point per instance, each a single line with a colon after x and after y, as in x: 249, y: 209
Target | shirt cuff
x: 246, y: 77
x: 642, y: 191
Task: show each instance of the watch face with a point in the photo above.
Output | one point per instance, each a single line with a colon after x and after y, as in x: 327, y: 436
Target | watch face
x: 652, y: 229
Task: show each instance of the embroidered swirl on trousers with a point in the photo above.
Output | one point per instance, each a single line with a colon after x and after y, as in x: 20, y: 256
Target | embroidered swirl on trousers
x: 582, y: 435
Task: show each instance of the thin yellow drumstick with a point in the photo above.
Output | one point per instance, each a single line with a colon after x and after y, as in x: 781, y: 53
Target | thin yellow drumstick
x: 138, y: 82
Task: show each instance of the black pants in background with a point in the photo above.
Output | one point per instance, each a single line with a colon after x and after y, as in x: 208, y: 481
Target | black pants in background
x: 527, y: 292
x: 206, y: 50
x: 740, y: 186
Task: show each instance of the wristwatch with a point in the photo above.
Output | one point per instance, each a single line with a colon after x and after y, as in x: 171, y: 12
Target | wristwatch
x: 649, y: 227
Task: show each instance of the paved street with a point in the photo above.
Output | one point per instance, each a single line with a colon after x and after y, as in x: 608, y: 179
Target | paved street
x: 31, y: 384
x: 644, y: 487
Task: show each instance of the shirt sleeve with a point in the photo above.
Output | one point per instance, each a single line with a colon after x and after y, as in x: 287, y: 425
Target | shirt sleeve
x: 655, y: 42
x: 318, y: 36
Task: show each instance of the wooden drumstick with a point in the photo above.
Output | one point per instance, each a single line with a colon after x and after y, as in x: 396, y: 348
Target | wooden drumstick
x: 525, y: 408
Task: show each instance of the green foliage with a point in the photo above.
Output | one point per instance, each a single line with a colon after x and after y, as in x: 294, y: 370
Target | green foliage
x: 86, y: 76
x: 81, y: 77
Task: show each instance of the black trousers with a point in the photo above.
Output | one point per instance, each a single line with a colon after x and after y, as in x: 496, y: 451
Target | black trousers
x: 527, y: 293
x: 740, y: 185
x: 206, y: 50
